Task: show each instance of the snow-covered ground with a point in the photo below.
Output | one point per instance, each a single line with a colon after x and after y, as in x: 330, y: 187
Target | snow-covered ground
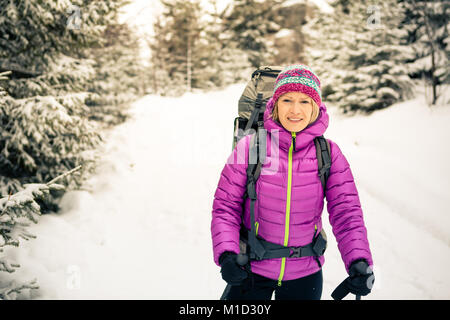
x: 140, y: 229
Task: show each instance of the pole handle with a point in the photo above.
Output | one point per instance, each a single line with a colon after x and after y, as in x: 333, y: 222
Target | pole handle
x: 242, y: 259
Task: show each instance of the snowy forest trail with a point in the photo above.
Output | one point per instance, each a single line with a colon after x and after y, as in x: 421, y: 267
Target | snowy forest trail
x: 140, y: 229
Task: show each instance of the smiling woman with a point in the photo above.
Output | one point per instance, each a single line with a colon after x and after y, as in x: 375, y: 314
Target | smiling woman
x: 295, y: 111
x: 280, y: 210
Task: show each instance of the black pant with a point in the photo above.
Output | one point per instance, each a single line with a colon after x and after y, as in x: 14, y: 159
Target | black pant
x: 257, y: 287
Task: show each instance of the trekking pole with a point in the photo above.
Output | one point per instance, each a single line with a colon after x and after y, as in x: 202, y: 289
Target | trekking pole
x: 241, y: 260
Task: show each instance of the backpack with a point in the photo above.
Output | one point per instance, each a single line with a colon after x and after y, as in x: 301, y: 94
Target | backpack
x: 252, y: 102
x: 250, y: 120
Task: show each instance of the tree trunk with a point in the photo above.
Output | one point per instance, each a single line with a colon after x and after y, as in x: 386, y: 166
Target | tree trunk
x: 189, y: 76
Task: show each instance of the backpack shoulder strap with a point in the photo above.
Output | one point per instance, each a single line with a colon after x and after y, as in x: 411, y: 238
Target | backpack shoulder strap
x: 255, y: 113
x: 257, y: 142
x: 324, y: 159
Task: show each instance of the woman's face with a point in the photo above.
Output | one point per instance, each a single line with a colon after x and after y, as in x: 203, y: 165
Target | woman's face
x: 294, y: 111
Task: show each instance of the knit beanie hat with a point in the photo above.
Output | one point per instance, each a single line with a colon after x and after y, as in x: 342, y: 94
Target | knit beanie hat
x: 298, y: 78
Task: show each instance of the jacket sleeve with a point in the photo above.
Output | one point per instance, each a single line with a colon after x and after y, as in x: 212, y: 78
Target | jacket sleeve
x: 345, y: 213
x: 228, y: 201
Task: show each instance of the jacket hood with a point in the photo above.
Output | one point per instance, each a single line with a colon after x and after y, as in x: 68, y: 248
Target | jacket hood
x: 304, y: 137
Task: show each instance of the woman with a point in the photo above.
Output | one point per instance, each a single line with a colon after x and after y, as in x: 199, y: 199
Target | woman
x: 290, y: 201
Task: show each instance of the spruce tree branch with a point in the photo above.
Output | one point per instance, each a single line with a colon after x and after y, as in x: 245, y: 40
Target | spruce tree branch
x: 16, y: 71
x: 5, y: 266
x: 63, y: 175
x: 6, y: 293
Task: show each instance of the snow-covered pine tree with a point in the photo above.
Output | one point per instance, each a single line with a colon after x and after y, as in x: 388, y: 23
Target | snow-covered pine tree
x: 211, y: 59
x: 119, y: 75
x: 45, y: 124
x: 427, y: 26
x: 249, y: 22
x: 290, y: 39
x: 324, y: 45
x: 175, y: 46
x: 16, y: 212
x: 369, y: 53
x: 159, y: 51
x: 222, y: 62
x: 45, y: 120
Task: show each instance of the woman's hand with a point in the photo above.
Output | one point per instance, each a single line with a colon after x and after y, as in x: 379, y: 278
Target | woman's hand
x: 233, y: 273
x: 361, y: 278
x: 359, y: 282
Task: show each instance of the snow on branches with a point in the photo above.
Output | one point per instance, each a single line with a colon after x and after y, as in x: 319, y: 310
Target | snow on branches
x: 16, y: 212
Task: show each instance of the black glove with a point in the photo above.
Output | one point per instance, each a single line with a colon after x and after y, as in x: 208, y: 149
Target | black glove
x: 359, y: 282
x: 232, y: 272
x: 361, y: 278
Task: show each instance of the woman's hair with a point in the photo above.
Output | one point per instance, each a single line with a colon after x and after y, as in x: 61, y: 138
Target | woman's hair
x: 315, y: 111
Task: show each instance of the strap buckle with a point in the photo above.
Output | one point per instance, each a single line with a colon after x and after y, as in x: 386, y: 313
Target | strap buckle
x: 319, y: 245
x: 324, y: 169
x: 296, y: 252
x: 251, y: 188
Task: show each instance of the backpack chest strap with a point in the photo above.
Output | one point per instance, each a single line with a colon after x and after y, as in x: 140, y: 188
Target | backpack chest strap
x: 273, y: 251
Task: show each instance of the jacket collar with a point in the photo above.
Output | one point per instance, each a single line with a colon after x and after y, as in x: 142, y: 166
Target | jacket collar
x: 304, y: 137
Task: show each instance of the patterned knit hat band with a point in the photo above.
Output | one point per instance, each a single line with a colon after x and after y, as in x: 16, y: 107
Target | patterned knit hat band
x: 298, y: 78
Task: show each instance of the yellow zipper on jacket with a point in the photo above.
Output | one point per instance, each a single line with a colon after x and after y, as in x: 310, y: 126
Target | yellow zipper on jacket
x: 288, y: 207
